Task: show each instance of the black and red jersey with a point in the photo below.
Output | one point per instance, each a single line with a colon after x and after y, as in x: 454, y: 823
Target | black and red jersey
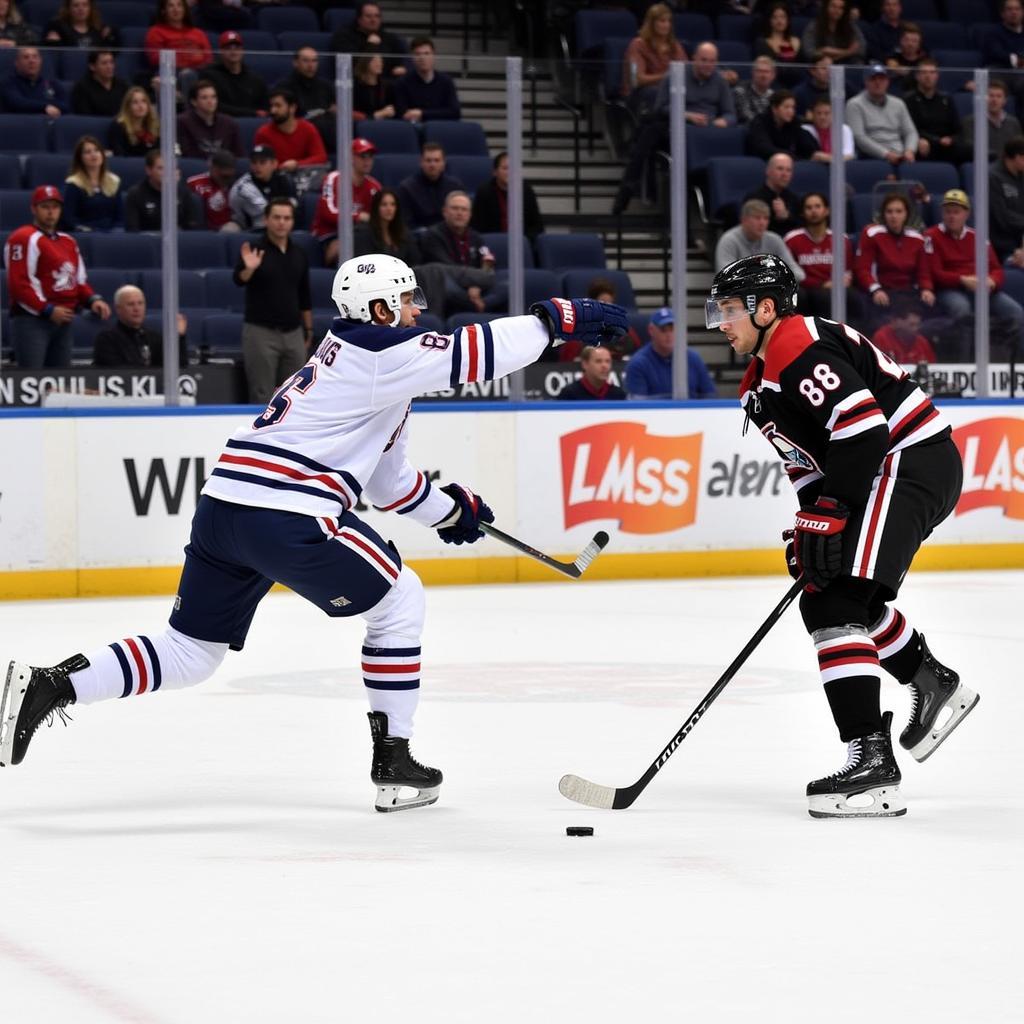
x: 834, y: 406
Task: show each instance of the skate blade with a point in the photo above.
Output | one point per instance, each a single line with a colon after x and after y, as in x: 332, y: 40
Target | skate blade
x: 886, y: 802
x: 16, y: 683
x: 389, y: 798
x: 962, y: 703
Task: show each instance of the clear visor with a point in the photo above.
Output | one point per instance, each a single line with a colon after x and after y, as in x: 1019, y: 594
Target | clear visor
x: 723, y: 311
x: 419, y: 300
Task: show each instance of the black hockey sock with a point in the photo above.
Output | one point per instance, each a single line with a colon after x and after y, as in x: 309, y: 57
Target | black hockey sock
x: 855, y: 706
x: 848, y: 662
x: 899, y: 645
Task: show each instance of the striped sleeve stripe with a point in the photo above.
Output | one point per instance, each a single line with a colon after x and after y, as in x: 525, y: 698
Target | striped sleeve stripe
x: 847, y: 404
x: 892, y: 634
x: 284, y: 453
x: 456, y: 374
x: 391, y: 668
x: 279, y: 470
x: 279, y: 485
x: 140, y: 664
x: 154, y: 661
x: 866, y: 421
x: 472, y: 355
x: 847, y: 656
x: 488, y: 352
x: 125, y: 670
x: 412, y: 500
x: 799, y: 483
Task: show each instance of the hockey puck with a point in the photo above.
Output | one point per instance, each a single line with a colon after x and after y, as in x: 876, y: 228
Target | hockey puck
x: 579, y: 830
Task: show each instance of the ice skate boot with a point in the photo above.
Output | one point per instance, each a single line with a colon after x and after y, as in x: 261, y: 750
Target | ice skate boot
x: 934, y: 688
x: 870, y: 778
x: 395, y: 769
x: 30, y: 696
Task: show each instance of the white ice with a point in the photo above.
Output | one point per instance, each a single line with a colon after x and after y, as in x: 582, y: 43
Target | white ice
x: 213, y: 854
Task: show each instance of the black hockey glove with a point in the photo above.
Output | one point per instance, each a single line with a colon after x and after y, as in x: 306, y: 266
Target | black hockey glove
x: 818, y: 541
x: 463, y: 525
x: 585, y: 320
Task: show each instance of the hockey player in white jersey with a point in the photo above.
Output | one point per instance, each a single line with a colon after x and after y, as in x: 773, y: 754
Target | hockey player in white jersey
x: 278, y: 507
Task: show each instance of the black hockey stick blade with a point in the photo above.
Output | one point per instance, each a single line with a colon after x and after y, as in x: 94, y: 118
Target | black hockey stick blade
x: 574, y: 569
x: 593, y: 795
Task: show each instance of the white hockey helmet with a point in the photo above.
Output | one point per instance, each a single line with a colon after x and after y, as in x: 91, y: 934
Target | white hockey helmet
x: 378, y: 276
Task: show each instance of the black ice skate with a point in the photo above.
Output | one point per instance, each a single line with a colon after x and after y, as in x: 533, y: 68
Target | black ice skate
x: 934, y: 688
x: 30, y: 696
x: 871, y: 778
x: 395, y: 769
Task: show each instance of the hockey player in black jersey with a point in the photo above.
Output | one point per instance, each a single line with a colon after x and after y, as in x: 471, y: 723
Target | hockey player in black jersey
x: 875, y: 470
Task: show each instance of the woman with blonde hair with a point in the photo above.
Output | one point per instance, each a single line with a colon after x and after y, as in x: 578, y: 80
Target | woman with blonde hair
x: 92, y: 194
x: 649, y: 55
x: 14, y: 30
x: 136, y: 129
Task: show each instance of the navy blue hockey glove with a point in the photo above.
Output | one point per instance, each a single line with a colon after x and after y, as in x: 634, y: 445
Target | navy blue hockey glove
x: 585, y: 320
x: 818, y: 541
x: 463, y: 525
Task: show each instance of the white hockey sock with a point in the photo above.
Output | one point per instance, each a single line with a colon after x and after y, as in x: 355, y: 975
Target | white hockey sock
x: 142, y: 664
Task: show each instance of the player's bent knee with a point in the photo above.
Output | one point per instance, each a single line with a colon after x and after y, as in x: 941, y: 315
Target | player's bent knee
x: 399, y: 615
x: 844, y: 601
x: 188, y: 661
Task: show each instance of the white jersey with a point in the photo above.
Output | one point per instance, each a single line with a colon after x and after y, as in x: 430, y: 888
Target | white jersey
x: 336, y: 429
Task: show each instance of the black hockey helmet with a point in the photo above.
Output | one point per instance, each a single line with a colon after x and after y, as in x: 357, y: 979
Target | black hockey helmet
x: 751, y: 279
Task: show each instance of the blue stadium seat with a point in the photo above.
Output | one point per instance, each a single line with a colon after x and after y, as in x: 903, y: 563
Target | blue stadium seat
x: 809, y: 176
x: 970, y: 12
x: 537, y: 285
x: 472, y: 171
x: 14, y: 208
x: 127, y: 12
x: 289, y: 42
x: 24, y: 133
x: 38, y: 12
x: 732, y: 51
x: 269, y: 66
x: 862, y: 175
x: 46, y: 169
x: 429, y: 322
x: 287, y: 19
x: 497, y: 242
x: 593, y: 27
x: 941, y: 35
x: 336, y: 17
x: 575, y: 284
x: 862, y: 210
x: 612, y: 57
x: 127, y: 251
x: 191, y: 165
x: 83, y: 335
x: 936, y: 176
x: 223, y: 333
x: 459, y: 138
x: 133, y: 55
x: 106, y: 281
x: 247, y: 127
x: 320, y: 281
x: 256, y: 41
x: 730, y: 178
x: 703, y: 144
x: 130, y: 169
x: 307, y: 209
x: 10, y: 171
x: 67, y: 130
x: 310, y: 246
x: 919, y: 10
x: 390, y: 136
x: 738, y: 28
x: 222, y: 292
x: 693, y: 27
x: 234, y: 241
x: 956, y: 67
x: 559, y: 252
x: 457, y: 320
x: 967, y: 177
x: 73, y: 64
x: 191, y: 288
x: 1014, y: 284
x: 391, y: 168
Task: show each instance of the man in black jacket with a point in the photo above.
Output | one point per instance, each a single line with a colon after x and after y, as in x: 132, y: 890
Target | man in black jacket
x: 315, y: 95
x: 367, y: 35
x: 935, y: 118
x: 99, y: 92
x: 129, y: 342
x: 142, y: 202
x: 240, y: 92
x: 783, y: 202
x: 1006, y: 199
x: 490, y: 204
x: 778, y: 131
x: 422, y: 194
x: 594, y: 385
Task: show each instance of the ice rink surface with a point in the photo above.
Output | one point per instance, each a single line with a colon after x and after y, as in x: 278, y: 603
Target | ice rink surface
x: 213, y: 855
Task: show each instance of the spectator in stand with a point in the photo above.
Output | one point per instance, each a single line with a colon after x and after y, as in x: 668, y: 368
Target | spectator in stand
x: 593, y: 384
x: 752, y: 98
x: 816, y: 87
x: 892, y: 260
x: 213, y: 188
x: 422, y: 194
x: 136, y: 129
x: 648, y: 56
x: 92, y: 194
x: 240, y: 92
x: 364, y: 188
x: 811, y: 247
x: 47, y: 284
x: 26, y: 91
x: 263, y: 181
x: 776, y: 41
x: 603, y: 290
x: 143, y: 204
x: 295, y: 141
x: 952, y: 266
x: 901, y: 339
x: 14, y: 29
x: 366, y: 35
x: 426, y: 94
x: 882, y: 127
x: 1006, y: 199
x: 935, y: 117
x: 884, y: 35
x: 373, y: 95
x: 313, y: 94
x: 99, y: 92
x: 778, y: 131
x: 173, y: 30
x: 78, y: 25
x: 649, y: 372
x: 751, y: 236
x: 783, y: 203
x: 1001, y: 126
x: 907, y: 57
x: 129, y: 342
x: 835, y: 34
x: 1003, y: 44
x: 277, y: 328
x: 490, y: 204
x: 202, y: 129
x: 221, y: 15
x: 469, y: 264
x: 820, y: 129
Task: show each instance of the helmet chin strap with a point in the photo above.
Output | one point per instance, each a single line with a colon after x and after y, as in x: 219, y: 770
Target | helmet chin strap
x: 761, y: 331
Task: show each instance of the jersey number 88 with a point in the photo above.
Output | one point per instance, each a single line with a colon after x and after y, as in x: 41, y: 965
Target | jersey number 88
x: 826, y: 376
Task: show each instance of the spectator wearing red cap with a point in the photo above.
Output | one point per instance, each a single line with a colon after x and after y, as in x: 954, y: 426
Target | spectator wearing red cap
x: 202, y: 129
x: 364, y: 188
x: 173, y: 30
x: 47, y: 282
x: 294, y: 140
x: 213, y: 188
x: 240, y: 92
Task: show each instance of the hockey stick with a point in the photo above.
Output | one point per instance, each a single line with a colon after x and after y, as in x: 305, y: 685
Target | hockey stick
x: 593, y: 795
x: 574, y: 570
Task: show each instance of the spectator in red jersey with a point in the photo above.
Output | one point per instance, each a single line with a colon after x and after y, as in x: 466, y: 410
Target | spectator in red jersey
x: 173, y: 30
x: 891, y: 259
x: 47, y: 282
x: 202, y: 129
x: 593, y: 385
x: 901, y: 339
x: 213, y: 187
x: 811, y: 247
x: 364, y: 188
x: 951, y: 259
x: 295, y: 141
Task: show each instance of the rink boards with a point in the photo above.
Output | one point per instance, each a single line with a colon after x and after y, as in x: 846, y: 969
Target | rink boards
x: 100, y: 502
